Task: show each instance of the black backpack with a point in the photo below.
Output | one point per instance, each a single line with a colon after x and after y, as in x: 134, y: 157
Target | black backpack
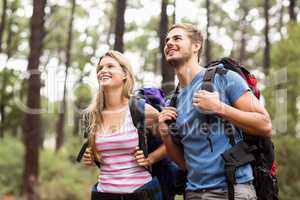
x: 170, y: 176
x: 259, y: 151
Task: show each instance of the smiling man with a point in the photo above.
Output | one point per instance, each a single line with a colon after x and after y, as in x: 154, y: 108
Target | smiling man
x: 231, y: 101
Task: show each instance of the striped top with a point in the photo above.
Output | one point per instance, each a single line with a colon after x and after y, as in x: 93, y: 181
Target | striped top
x: 119, y: 171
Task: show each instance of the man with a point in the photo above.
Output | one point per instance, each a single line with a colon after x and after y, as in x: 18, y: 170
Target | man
x: 231, y: 101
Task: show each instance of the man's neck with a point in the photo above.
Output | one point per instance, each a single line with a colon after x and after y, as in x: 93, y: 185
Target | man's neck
x: 187, y: 71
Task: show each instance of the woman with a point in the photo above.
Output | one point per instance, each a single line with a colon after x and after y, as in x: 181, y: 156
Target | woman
x: 114, y: 139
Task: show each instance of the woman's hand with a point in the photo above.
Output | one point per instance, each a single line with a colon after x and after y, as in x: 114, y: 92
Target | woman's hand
x: 88, y: 157
x: 141, y: 160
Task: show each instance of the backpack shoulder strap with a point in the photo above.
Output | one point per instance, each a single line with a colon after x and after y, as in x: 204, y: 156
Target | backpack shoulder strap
x: 85, y: 129
x: 208, y: 79
x: 209, y: 75
x: 208, y: 85
x: 137, y: 111
x: 85, y: 124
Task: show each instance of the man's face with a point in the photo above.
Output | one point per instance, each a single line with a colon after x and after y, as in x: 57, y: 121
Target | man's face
x: 178, y: 46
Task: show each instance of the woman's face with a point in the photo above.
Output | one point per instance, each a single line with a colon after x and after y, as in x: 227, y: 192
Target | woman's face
x: 110, y: 73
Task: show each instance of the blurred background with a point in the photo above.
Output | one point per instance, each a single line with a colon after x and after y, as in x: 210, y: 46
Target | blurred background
x: 48, y: 53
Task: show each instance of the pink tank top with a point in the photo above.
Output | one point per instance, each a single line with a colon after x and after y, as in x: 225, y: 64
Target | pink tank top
x: 119, y: 171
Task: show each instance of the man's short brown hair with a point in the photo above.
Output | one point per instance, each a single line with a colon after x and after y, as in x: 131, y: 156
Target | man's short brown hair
x: 194, y: 34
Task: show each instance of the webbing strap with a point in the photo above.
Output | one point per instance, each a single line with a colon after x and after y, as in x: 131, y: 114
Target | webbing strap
x: 230, y: 178
x: 137, y: 111
x: 173, y: 103
x: 208, y: 81
x: 229, y: 131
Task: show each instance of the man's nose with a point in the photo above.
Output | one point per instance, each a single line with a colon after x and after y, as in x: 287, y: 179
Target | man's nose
x: 169, y: 44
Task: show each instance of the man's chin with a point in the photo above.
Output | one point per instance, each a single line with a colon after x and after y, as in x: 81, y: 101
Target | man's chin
x: 173, y: 61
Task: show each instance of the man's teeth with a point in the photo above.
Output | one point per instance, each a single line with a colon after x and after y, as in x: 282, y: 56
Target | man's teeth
x: 171, y: 51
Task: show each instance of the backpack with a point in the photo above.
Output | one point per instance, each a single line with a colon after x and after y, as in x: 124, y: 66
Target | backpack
x: 167, y: 172
x: 258, y: 151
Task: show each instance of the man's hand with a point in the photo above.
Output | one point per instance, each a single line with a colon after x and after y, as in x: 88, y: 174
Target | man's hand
x: 168, y: 114
x: 207, y: 101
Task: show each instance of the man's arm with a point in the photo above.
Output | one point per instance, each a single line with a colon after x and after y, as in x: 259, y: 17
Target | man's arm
x: 246, y: 113
x: 173, y: 150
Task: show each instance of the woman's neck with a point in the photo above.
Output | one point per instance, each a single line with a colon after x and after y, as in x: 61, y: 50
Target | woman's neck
x: 114, y: 99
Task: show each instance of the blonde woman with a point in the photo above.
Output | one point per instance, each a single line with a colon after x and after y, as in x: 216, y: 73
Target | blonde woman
x: 114, y: 138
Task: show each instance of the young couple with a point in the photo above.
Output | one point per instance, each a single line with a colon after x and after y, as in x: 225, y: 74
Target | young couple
x: 124, y: 170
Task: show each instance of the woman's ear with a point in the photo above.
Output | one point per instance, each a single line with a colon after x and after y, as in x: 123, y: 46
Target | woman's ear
x: 197, y: 46
x: 125, y: 75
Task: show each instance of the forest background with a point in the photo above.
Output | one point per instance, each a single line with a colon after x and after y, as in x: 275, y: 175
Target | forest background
x: 48, y: 53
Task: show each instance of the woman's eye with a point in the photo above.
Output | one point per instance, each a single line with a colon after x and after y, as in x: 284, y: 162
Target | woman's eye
x: 98, y: 69
x: 112, y: 66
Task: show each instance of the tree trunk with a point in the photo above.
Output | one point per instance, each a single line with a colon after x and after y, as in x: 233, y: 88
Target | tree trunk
x: 292, y: 13
x: 2, y: 102
x: 3, y: 22
x: 32, y: 122
x: 60, y: 132
x: 207, y: 43
x: 267, y: 41
x: 243, y: 42
x: 111, y: 18
x: 174, y: 12
x: 120, y: 25
x: 280, y: 23
x: 167, y: 71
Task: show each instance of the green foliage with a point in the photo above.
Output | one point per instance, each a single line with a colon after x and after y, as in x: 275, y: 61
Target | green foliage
x: 10, y: 89
x: 83, y: 96
x: 11, y: 165
x: 62, y: 179
x: 146, y: 44
x: 285, y: 75
x: 288, y: 156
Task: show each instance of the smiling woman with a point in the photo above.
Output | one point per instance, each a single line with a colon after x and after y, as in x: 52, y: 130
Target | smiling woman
x: 110, y: 72
x: 114, y: 138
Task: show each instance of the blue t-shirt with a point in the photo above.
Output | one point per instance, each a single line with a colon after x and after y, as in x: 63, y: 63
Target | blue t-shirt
x: 203, y: 159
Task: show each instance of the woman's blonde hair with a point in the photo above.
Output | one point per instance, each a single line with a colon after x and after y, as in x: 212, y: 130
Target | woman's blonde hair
x: 98, y: 104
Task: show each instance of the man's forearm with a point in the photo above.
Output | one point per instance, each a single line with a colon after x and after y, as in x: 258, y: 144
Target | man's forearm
x: 157, y: 155
x: 174, y: 151
x: 251, y: 122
